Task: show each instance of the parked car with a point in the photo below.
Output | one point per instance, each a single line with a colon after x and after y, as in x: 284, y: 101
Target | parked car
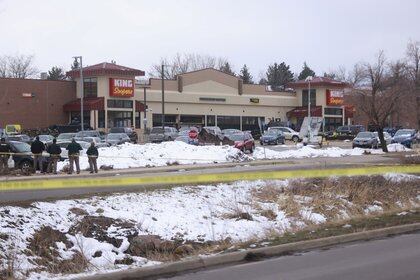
x: 23, y: 159
x: 117, y: 139
x: 349, y: 130
x: 66, y: 136
x: 63, y: 145
x: 243, y: 141
x: 406, y: 137
x: 73, y: 127
x: 230, y: 131
x: 86, y: 134
x: 20, y: 138
x: 387, y: 138
x: 159, y: 134
x: 366, y: 140
x: 214, y: 130
x: 127, y: 130
x: 289, y: 133
x: 273, y: 136
x: 46, y: 139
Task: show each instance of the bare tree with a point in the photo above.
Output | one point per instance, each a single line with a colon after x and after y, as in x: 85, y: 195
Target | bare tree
x: 378, y: 89
x: 413, y: 63
x: 18, y: 66
x: 182, y: 63
x: 3, y: 67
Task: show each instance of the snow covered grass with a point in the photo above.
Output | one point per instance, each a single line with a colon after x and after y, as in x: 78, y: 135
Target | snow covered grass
x: 104, y: 233
x: 173, y: 153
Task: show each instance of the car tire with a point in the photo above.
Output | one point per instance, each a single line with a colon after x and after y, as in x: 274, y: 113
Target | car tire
x: 295, y: 139
x: 278, y: 142
x: 169, y: 138
x: 252, y: 149
x: 26, y: 166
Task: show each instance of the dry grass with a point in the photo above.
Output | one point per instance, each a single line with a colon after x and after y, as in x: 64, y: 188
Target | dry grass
x: 411, y: 159
x: 332, y: 197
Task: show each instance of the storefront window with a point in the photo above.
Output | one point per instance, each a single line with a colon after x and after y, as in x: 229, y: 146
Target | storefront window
x: 251, y: 123
x: 305, y: 97
x: 170, y: 120
x: 90, y: 87
x: 211, y: 120
x: 116, y: 103
x: 192, y: 120
x: 120, y: 119
x: 333, y: 111
x: 332, y: 123
x: 225, y: 122
x: 101, y: 119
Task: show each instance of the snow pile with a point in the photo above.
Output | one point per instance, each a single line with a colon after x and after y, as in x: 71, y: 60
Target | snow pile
x: 397, y: 147
x: 304, y: 152
x: 132, y: 155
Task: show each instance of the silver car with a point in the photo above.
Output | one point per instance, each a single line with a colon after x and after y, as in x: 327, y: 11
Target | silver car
x: 387, y: 137
x: 366, y: 140
x: 159, y: 134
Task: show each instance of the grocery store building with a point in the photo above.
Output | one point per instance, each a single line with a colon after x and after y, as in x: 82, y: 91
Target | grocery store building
x: 208, y: 97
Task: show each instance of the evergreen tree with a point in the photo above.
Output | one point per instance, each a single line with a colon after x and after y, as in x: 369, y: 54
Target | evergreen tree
x: 226, y: 68
x: 306, y: 71
x: 262, y: 81
x: 330, y: 75
x: 278, y: 75
x: 245, y: 75
x: 56, y: 73
x: 75, y: 65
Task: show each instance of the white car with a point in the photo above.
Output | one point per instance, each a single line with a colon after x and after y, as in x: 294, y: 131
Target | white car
x: 387, y: 137
x: 289, y: 133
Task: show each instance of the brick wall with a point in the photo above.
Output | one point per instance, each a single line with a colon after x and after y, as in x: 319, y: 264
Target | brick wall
x: 43, y: 109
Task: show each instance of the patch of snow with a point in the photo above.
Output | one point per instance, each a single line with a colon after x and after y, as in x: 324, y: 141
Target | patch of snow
x: 306, y: 152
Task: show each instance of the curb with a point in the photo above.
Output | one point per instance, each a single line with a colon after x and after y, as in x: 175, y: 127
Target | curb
x: 195, y: 263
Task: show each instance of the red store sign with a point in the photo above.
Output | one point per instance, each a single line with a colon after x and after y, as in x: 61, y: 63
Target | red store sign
x: 335, y: 97
x: 121, y: 87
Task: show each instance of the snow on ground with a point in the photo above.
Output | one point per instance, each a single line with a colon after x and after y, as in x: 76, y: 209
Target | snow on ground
x: 167, y: 153
x: 193, y: 213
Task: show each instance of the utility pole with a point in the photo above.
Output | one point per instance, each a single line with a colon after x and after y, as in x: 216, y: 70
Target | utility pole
x: 309, y: 79
x: 163, y: 96
x: 81, y: 92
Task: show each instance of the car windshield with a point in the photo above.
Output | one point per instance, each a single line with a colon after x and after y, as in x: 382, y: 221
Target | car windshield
x: 65, y: 136
x: 117, y: 130
x: 45, y: 137
x: 86, y: 134
x: 237, y: 137
x: 272, y: 132
x: 364, y: 135
x: 404, y: 132
x: 157, y: 130
x: 116, y: 136
x: 22, y: 147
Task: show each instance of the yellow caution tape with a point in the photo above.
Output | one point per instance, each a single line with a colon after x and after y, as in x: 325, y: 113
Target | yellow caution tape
x: 178, y: 179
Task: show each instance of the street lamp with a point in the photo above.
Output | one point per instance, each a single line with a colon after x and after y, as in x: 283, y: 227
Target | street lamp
x: 309, y: 79
x: 81, y: 92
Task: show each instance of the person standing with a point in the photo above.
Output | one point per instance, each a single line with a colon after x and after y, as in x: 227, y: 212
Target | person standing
x: 54, y: 150
x: 5, y: 151
x: 37, y: 148
x: 74, y: 149
x: 92, y: 153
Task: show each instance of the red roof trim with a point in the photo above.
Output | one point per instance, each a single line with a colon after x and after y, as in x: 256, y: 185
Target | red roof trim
x: 89, y: 104
x: 105, y: 68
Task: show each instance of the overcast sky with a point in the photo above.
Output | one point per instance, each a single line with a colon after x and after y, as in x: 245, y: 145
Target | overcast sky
x: 326, y: 34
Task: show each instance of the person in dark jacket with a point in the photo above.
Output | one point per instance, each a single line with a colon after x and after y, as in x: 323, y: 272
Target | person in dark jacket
x: 93, y: 154
x: 54, y: 150
x: 74, y: 149
x: 5, y: 151
x: 37, y: 148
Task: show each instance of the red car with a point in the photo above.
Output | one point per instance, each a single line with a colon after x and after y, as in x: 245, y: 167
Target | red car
x: 243, y: 141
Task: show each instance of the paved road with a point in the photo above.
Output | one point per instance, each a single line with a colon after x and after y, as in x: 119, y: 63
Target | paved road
x: 8, y: 197
x: 387, y: 259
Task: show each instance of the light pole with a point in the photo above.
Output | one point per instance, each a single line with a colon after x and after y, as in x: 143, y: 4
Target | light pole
x: 309, y: 79
x: 81, y: 92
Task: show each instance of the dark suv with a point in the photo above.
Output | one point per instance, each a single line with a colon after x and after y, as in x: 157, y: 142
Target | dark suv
x: 23, y: 160
x: 127, y: 130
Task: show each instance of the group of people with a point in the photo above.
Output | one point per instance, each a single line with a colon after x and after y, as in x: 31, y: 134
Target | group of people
x: 54, y: 151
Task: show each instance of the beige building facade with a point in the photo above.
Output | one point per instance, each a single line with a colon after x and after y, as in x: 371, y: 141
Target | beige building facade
x: 209, y: 97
